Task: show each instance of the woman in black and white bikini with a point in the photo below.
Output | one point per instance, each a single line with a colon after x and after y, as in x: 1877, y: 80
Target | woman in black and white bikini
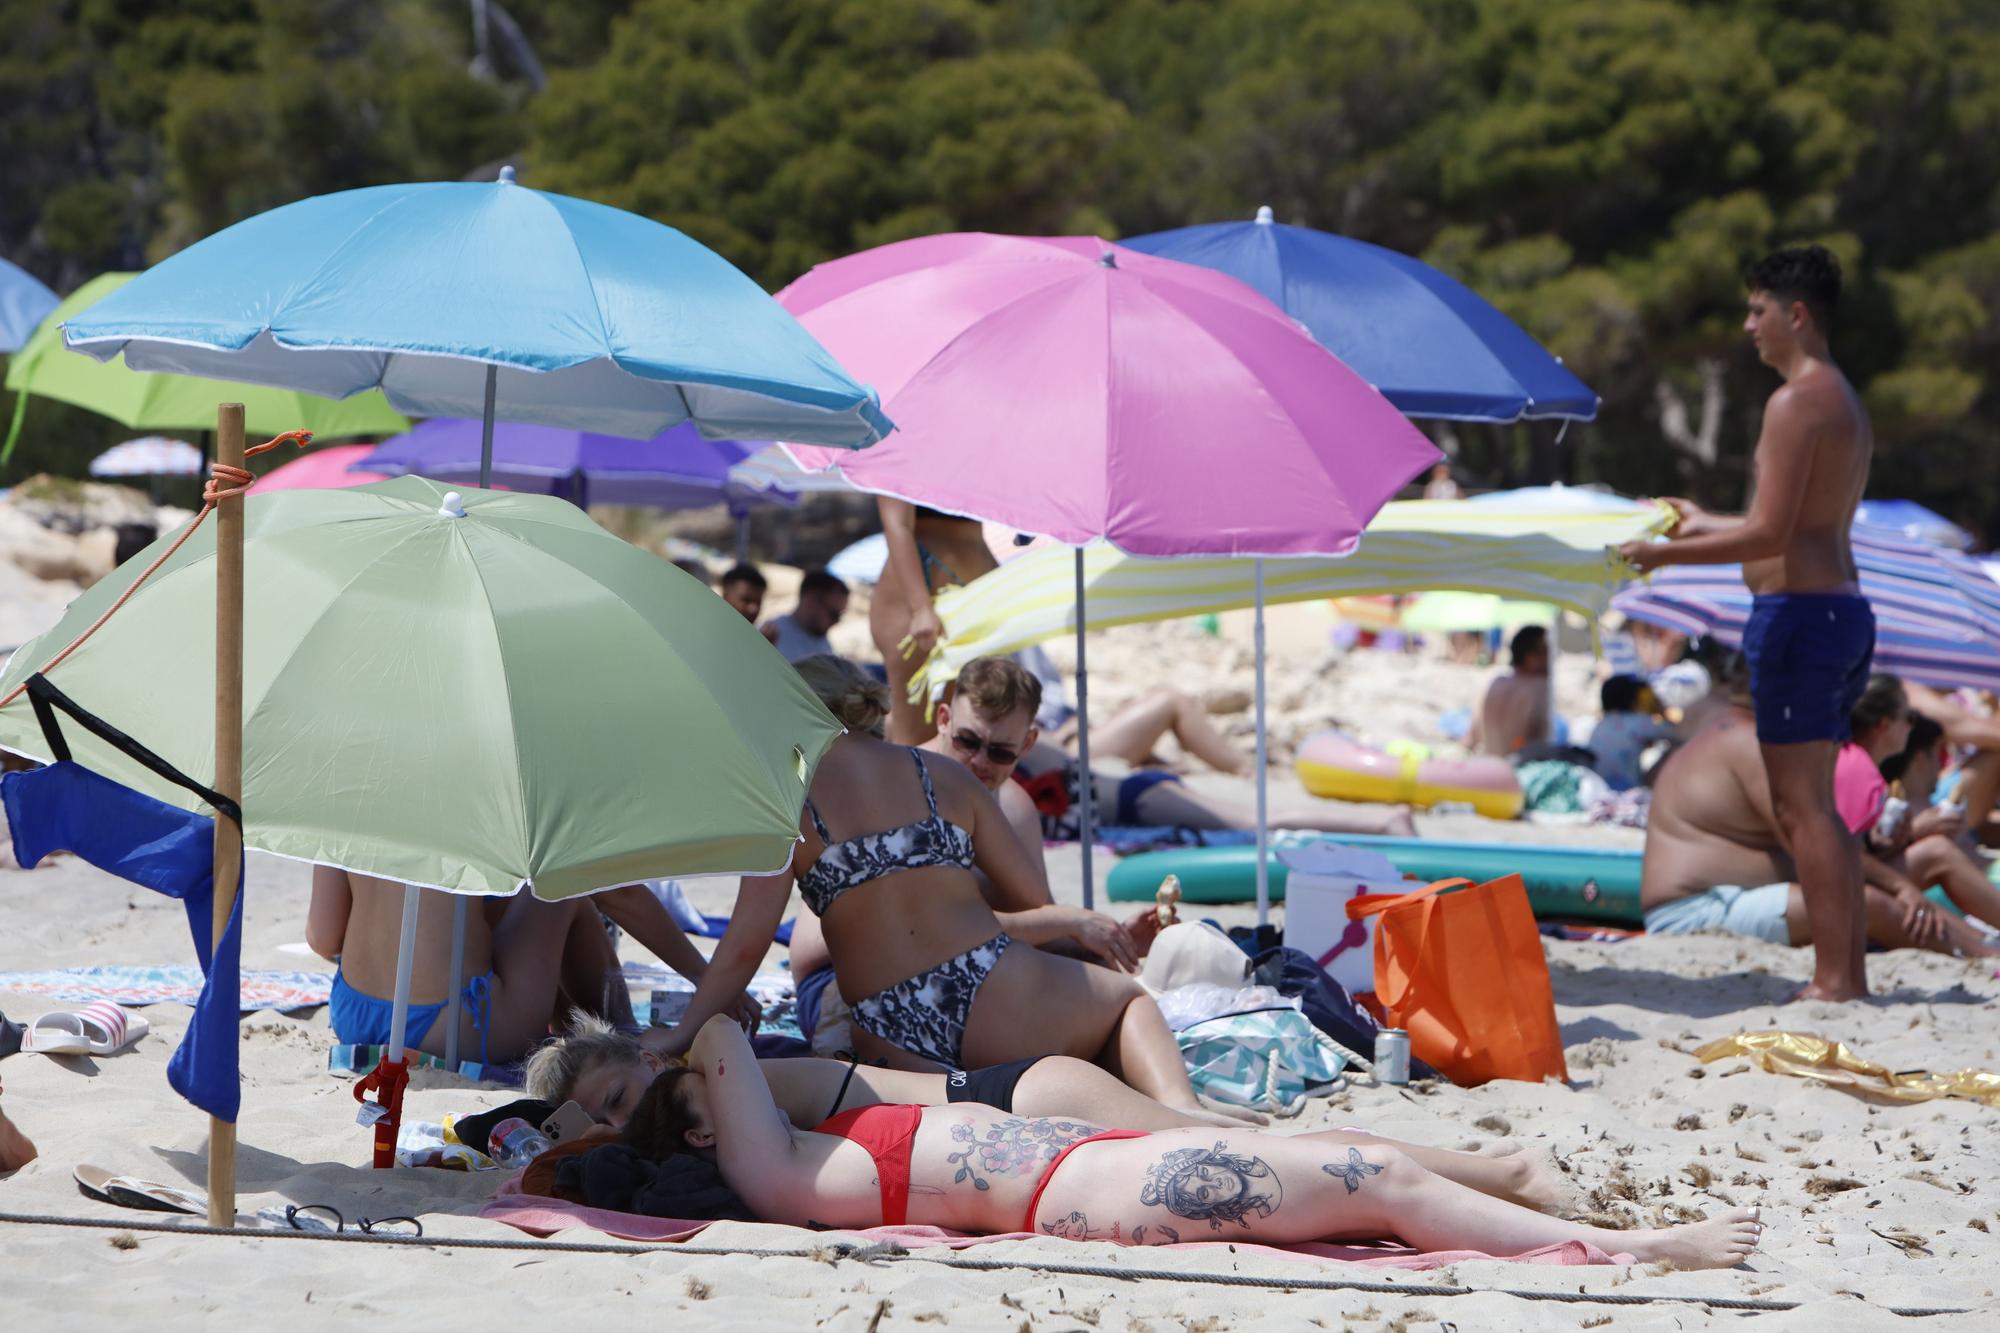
x: 889, y: 840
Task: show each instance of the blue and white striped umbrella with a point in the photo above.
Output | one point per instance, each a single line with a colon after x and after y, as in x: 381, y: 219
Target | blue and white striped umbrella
x: 1937, y: 613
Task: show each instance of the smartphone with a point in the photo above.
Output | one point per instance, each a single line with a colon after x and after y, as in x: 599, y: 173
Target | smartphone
x: 568, y: 1123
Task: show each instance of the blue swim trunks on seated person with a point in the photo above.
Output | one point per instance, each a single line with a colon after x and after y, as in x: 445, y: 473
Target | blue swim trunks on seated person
x: 1809, y: 657
x: 360, y: 1019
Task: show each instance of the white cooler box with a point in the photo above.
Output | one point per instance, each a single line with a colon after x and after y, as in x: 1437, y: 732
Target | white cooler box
x: 1321, y: 879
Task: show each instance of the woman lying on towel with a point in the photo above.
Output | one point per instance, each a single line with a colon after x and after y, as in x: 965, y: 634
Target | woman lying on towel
x: 606, y: 1073
x: 889, y: 839
x: 982, y: 1171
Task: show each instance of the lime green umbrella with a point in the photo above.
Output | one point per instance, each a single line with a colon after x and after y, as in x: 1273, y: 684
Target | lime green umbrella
x: 1443, y: 612
x: 172, y: 402
x: 461, y: 694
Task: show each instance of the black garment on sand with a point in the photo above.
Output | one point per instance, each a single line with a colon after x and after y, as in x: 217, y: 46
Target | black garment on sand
x: 616, y: 1177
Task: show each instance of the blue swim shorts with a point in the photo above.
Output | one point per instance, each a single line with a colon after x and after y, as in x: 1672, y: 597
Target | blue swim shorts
x: 361, y: 1019
x: 1809, y: 656
x: 1758, y: 913
x: 1134, y: 785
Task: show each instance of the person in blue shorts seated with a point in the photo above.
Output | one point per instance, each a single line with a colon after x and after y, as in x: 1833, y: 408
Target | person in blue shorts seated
x: 1811, y: 634
x: 529, y: 962
x: 1716, y: 859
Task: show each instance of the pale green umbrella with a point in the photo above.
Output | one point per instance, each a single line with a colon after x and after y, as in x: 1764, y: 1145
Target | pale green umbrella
x: 45, y: 367
x: 1447, y: 612
x: 461, y: 702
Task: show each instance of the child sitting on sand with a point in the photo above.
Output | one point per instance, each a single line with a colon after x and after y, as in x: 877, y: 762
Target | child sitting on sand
x: 528, y: 961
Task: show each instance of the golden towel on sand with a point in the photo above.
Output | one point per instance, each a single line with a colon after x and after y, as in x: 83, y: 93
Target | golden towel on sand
x: 1802, y: 1055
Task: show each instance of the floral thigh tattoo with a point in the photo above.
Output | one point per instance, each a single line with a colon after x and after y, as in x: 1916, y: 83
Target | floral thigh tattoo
x: 1013, y: 1147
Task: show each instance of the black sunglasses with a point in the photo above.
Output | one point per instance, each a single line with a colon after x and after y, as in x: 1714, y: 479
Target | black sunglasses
x: 966, y: 742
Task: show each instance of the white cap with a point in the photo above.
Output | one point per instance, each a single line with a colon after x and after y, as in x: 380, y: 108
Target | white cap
x: 453, y: 506
x: 1264, y: 214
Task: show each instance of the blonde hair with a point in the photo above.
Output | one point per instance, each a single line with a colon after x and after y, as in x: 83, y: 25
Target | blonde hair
x: 552, y: 1069
x: 853, y: 696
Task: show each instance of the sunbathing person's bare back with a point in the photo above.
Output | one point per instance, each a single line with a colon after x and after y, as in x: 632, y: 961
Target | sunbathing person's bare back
x: 1710, y: 821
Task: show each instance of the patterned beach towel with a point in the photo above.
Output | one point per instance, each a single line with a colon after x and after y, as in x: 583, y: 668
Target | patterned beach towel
x: 136, y: 984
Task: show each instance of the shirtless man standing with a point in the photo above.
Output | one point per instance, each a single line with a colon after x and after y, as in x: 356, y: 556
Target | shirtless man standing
x: 1515, y: 710
x: 1811, y: 635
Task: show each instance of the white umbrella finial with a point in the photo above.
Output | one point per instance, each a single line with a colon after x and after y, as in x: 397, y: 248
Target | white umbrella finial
x: 453, y: 506
x: 1264, y: 215
x: 507, y: 175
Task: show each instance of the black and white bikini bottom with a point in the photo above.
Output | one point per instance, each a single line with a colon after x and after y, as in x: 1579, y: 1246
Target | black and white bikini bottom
x: 926, y: 1014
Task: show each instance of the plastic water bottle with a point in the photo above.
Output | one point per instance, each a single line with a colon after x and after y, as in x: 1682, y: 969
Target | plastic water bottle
x: 514, y: 1143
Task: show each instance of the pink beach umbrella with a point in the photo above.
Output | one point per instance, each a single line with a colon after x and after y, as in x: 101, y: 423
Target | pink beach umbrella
x: 320, y: 469
x: 1069, y: 387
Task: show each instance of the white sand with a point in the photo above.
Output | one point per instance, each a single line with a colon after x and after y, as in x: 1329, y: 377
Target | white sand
x: 1641, y: 1122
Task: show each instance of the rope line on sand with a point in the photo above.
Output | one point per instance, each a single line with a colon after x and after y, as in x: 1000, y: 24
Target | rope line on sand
x: 887, y: 1250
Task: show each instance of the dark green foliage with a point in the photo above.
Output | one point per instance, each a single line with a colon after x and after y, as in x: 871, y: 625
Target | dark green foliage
x: 1601, y: 169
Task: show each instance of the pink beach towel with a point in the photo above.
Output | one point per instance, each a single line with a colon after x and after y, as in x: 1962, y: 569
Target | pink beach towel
x: 542, y: 1216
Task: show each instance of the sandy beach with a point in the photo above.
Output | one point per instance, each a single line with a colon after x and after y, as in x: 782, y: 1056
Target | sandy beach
x: 1870, y: 1206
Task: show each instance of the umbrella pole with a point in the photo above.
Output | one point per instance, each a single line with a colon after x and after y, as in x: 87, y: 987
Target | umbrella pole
x: 393, y: 1073
x: 228, y: 764
x: 486, y: 430
x: 1086, y: 784
x: 459, y: 905
x: 1263, y: 767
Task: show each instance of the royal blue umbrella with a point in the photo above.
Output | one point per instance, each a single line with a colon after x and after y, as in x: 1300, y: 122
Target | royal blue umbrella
x: 1433, y: 346
x: 24, y: 303
x: 1937, y: 613
x: 676, y: 469
x: 487, y: 300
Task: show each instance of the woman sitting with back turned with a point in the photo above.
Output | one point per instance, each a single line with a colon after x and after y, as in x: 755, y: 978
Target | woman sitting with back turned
x: 974, y: 1169
x: 889, y: 839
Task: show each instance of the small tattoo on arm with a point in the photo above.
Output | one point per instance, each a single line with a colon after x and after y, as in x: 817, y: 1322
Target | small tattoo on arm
x: 721, y: 1068
x: 1352, y: 1171
x: 1012, y: 1147
x: 1212, y: 1185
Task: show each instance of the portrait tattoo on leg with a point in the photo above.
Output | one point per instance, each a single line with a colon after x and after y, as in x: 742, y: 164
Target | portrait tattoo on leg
x: 1352, y: 1171
x: 1212, y: 1185
x: 1012, y: 1147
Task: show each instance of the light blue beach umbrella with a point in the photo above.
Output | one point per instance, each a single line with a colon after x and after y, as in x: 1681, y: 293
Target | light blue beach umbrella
x: 24, y: 303
x: 492, y: 301
x: 1432, y: 345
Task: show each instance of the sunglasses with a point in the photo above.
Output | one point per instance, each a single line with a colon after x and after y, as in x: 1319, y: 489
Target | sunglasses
x: 968, y: 743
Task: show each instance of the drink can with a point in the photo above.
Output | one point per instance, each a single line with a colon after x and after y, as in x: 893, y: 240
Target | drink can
x: 656, y: 1011
x: 1392, y: 1056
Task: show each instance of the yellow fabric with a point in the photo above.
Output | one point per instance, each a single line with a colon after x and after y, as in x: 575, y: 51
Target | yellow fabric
x: 1802, y: 1055
x: 1564, y: 558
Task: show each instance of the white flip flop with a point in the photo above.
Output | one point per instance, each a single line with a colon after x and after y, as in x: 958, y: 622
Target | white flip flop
x: 130, y: 1192
x: 96, y: 1029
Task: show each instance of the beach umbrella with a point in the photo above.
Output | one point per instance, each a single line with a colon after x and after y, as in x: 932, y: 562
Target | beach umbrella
x: 773, y: 469
x: 1558, y: 557
x: 149, y: 456
x: 621, y: 721
x: 1449, y: 612
x: 1070, y: 388
x: 1916, y: 522
x: 1937, y: 613
x: 24, y: 303
x: 170, y: 402
x: 331, y: 468
x: 1432, y: 345
x: 487, y: 300
x: 676, y: 469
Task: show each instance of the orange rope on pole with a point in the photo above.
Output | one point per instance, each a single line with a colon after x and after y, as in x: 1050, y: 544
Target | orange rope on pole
x: 239, y: 480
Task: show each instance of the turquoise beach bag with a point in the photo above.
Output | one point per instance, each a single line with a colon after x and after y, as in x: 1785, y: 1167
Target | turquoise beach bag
x: 1265, y: 1059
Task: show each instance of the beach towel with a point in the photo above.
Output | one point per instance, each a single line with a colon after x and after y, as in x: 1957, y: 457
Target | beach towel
x: 351, y: 1059
x: 137, y: 984
x: 540, y: 1216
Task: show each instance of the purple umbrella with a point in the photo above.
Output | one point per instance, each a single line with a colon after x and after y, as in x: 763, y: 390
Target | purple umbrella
x: 676, y: 469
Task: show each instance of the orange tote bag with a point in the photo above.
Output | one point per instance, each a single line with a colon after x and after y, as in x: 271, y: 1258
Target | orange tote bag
x: 1460, y: 968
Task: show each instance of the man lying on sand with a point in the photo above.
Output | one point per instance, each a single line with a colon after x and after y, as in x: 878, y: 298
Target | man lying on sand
x: 988, y: 724
x: 985, y: 1171
x: 1715, y: 857
x: 529, y: 961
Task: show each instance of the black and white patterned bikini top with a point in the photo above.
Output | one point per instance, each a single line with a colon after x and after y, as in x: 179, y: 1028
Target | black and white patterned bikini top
x: 931, y: 841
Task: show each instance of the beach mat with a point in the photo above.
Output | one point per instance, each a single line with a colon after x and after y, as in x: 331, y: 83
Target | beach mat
x: 541, y: 1216
x: 167, y: 984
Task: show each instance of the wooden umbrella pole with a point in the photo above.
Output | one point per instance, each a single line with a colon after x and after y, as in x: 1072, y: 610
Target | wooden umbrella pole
x: 228, y: 762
